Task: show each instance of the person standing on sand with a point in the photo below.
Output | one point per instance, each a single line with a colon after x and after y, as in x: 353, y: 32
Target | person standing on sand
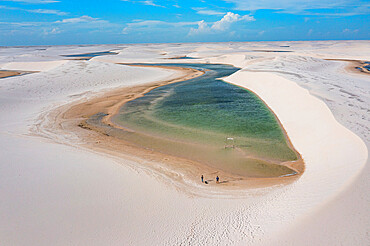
x: 217, y: 179
x: 202, y: 178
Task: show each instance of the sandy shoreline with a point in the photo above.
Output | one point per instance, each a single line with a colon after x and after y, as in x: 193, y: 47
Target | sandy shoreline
x: 5, y: 74
x: 74, y: 118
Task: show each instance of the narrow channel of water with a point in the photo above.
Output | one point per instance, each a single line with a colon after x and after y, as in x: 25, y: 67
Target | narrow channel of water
x: 196, y: 119
x: 91, y: 55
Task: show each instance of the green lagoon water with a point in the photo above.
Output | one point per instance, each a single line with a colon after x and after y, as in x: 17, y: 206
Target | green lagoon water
x: 193, y: 119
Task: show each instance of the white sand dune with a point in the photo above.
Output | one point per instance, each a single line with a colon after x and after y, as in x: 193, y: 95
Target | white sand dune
x: 334, y: 156
x: 33, y: 66
x: 53, y: 192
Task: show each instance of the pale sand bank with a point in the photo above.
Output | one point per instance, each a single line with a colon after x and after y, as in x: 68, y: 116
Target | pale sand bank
x: 326, y: 146
x: 33, y: 66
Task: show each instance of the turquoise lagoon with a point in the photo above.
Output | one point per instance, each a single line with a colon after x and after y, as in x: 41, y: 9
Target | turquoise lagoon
x: 193, y: 119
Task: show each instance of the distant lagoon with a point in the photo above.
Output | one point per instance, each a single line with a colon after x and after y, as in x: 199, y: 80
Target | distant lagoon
x: 91, y: 55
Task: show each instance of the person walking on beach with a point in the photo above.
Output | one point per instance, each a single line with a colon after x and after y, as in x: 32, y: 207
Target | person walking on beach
x: 202, y: 178
x: 217, y: 179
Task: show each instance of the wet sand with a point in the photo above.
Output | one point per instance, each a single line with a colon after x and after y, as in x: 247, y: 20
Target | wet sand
x: 75, y: 118
x: 5, y: 74
x: 354, y: 66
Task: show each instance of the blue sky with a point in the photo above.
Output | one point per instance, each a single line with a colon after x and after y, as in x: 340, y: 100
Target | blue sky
x: 58, y: 22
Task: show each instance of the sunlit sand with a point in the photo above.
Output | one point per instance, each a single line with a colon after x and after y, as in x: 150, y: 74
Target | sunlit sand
x: 71, y: 179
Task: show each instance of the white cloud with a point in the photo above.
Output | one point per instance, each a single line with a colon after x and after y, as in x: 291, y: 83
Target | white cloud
x: 150, y: 24
x: 346, y: 30
x: 300, y: 6
x: 52, y: 31
x: 87, y: 22
x: 204, y: 11
x: 228, y: 19
x: 146, y: 2
x: 84, y: 18
x: 46, y: 11
x: 38, y: 11
x: 282, y: 4
x: 21, y: 24
x: 151, y: 3
x: 9, y: 8
x: 220, y: 26
x: 36, y: 1
x: 202, y: 28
